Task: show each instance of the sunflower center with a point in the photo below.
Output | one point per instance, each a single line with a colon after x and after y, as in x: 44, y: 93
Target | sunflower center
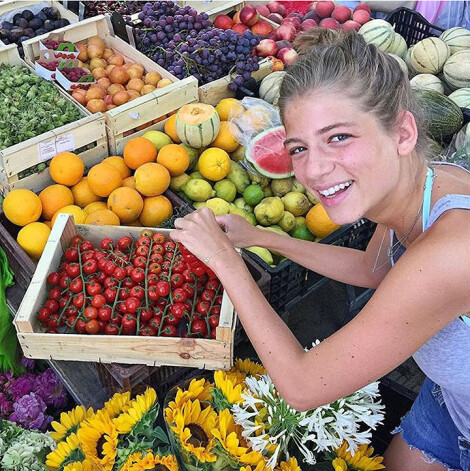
x: 198, y: 437
x: 99, y: 447
x: 159, y: 467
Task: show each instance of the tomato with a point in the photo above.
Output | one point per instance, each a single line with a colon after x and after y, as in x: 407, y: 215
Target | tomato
x: 179, y: 267
x: 203, y: 307
x: 158, y: 249
x: 146, y: 314
x: 55, y: 293
x: 155, y: 322
x: 91, y: 313
x: 129, y: 323
x: 52, y: 322
x: 128, y: 283
x: 177, y: 280
x: 199, y: 327
x: 137, y: 292
x: 138, y: 275
x: 51, y: 331
x: 189, y: 289
x: 90, y: 266
x: 208, y: 295
x: 148, y: 332
x: 178, y: 310
x: 70, y: 321
x: 142, y: 250
x: 154, y: 268
x: 152, y: 279
x: 109, y: 267
x: 218, y: 300
x: 140, y: 262
x: 104, y: 313
x: 168, y: 331
x: 80, y: 326
x: 119, y: 273
x: 213, y: 333
x: 110, y: 282
x: 107, y: 243
x: 198, y: 270
x: 132, y: 304
x: 163, y: 288
x: 143, y: 240
x: 179, y: 295
x: 71, y: 255
x: 86, y: 245
x: 168, y: 256
x: 78, y: 300
x: 88, y: 255
x: 111, y: 329
x: 93, y: 288
x: 171, y: 319
x: 53, y: 278
x: 92, y: 327
x: 190, y: 258
x: 76, y: 285
x: 65, y: 281
x: 110, y: 294
x: 213, y: 284
x: 76, y: 240
x: 156, y: 257
x: 99, y: 254
x: 116, y: 319
x: 71, y: 311
x: 215, y: 310
x: 169, y: 246
x: 124, y: 242
x: 124, y: 293
x: 166, y: 264
x: 159, y: 238
x: 121, y: 307
x: 161, y: 304
x: 213, y: 321
x: 73, y: 269
x: 44, y: 314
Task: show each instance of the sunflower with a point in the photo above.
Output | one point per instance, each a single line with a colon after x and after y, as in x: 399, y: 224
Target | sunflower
x: 229, y: 435
x: 248, y: 367
x: 228, y: 390
x: 198, y: 389
x: 69, y: 422
x: 259, y: 467
x: 131, y: 460
x: 362, y: 460
x: 99, y: 440
x: 155, y: 462
x: 63, y: 451
x: 192, y: 428
x: 117, y: 404
x: 138, y: 407
x: 289, y: 465
x: 85, y: 465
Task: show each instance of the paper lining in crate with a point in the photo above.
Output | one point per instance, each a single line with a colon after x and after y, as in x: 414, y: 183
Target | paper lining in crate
x: 15, y: 160
x: 135, y: 113
x: 153, y: 351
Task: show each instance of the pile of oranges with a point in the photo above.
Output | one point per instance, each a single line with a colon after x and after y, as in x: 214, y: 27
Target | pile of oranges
x: 125, y: 190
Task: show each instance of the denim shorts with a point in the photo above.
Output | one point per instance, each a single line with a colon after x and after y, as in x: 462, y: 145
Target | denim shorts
x: 429, y: 428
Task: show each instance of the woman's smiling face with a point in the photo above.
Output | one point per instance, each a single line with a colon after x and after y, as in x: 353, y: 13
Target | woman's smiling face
x: 341, y: 154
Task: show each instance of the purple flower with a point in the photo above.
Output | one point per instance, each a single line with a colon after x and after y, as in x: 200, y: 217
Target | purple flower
x: 50, y: 389
x: 28, y: 363
x: 29, y: 412
x: 22, y: 386
x: 6, y: 406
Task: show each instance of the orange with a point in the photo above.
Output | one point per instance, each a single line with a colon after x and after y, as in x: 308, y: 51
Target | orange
x: 170, y: 129
x: 157, y: 209
x: 54, y: 197
x: 48, y: 224
x: 151, y: 179
x: 78, y: 214
x: 129, y: 182
x: 82, y: 193
x: 225, y: 139
x: 135, y: 223
x: 103, y: 179
x: 175, y: 158
x: 126, y: 203
x: 319, y: 223
x: 89, y: 208
x: 139, y: 151
x: 103, y: 217
x: 66, y: 168
x: 227, y: 106
x: 118, y: 163
x: 22, y: 207
x: 214, y: 164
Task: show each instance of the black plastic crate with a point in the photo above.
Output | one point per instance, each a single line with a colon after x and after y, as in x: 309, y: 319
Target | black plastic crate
x: 290, y: 282
x: 412, y: 25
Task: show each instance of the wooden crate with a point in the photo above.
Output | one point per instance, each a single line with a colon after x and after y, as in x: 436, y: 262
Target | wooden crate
x: 8, y: 7
x: 214, y: 7
x: 122, y: 119
x: 213, y: 92
x: 154, y: 351
x: 88, y: 130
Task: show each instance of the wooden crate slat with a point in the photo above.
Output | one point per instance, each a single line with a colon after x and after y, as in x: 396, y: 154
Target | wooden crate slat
x: 9, y: 55
x: 200, y: 353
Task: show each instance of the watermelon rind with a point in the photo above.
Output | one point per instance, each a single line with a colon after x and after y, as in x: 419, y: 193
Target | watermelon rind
x: 255, y: 161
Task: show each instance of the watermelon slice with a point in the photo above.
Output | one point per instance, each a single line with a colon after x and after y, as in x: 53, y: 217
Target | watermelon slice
x: 268, y: 155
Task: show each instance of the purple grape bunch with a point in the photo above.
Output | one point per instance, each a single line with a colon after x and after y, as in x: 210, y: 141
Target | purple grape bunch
x: 185, y: 43
x: 94, y: 7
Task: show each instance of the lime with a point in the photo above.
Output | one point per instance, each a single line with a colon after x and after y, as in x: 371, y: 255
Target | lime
x: 158, y: 138
x: 253, y: 194
x: 302, y: 232
x: 226, y: 190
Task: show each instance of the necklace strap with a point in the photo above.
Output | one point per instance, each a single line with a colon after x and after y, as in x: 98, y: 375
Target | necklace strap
x: 427, y: 196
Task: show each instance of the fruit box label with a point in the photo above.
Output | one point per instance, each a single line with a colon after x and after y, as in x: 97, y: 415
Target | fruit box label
x: 46, y: 65
x: 83, y: 82
x: 62, y: 49
x: 50, y: 147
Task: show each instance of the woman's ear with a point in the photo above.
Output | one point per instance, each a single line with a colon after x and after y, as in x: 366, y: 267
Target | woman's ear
x: 407, y: 133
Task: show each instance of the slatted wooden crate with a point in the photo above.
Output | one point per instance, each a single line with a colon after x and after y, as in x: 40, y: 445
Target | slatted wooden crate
x: 214, y: 7
x: 87, y: 131
x: 154, y: 351
x: 121, y: 120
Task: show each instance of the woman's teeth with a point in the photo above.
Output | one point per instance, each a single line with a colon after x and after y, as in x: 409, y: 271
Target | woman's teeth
x: 334, y: 189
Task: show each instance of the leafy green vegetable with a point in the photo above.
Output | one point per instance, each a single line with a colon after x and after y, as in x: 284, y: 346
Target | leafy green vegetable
x: 29, y: 106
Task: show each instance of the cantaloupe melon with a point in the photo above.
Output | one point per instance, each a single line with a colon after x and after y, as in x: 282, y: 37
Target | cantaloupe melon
x: 457, y: 69
x: 378, y: 32
x: 461, y: 97
x: 411, y: 71
x: 270, y: 86
x: 429, y: 55
x: 400, y: 62
x: 398, y: 46
x: 427, y: 82
x: 458, y: 39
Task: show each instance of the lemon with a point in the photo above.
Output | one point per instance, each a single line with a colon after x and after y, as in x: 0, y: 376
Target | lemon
x: 22, y: 207
x: 218, y: 206
x: 287, y: 222
x: 214, y: 164
x: 158, y: 138
x: 198, y: 189
x: 269, y: 211
x: 193, y: 156
x: 176, y: 183
x: 32, y: 238
x: 228, y: 108
x: 79, y: 215
x: 226, y: 190
x: 242, y: 204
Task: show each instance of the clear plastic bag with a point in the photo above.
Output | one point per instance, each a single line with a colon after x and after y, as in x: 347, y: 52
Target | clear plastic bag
x: 458, y: 151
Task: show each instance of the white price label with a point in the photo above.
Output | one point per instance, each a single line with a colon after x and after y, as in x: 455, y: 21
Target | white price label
x: 51, y: 147
x: 65, y: 143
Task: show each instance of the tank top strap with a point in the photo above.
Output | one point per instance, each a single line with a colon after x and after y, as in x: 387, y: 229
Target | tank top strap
x: 427, y: 196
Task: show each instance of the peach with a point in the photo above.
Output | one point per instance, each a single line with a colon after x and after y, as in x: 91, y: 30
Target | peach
x: 361, y: 16
x: 104, y: 82
x: 114, y: 88
x: 164, y: 82
x: 94, y: 51
x: 351, y: 24
x: 96, y: 40
x: 276, y: 17
x: 263, y: 10
x: 135, y: 84
x: 134, y: 72
x: 236, y: 18
x: 286, y: 32
x: 287, y: 55
x: 324, y: 9
x: 99, y: 72
x: 239, y: 28
x: 223, y: 22
x: 147, y: 89
x: 329, y: 23
x: 107, y: 54
x: 276, y: 7
x: 95, y: 105
x: 341, y: 13
x: 249, y: 15
x: 83, y: 55
x: 266, y: 47
x: 363, y: 6
x: 152, y: 78
x: 307, y: 24
x: 261, y: 28
x: 119, y: 75
x: 96, y: 63
x: 116, y: 59
x: 94, y: 92
x: 133, y: 94
x: 120, y: 98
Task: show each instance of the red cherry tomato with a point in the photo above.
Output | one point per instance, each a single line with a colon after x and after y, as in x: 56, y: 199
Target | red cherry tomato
x: 137, y: 292
x: 163, y: 288
x: 148, y: 332
x: 124, y: 293
x: 76, y: 240
x: 177, y: 280
x: 203, y: 307
x: 143, y: 240
x: 168, y: 330
x: 91, y: 313
x: 213, y: 321
x: 93, y: 288
x: 104, y: 314
x: 44, y: 315
x: 110, y: 282
x: 124, y: 242
x: 199, y: 327
x: 53, y: 278
x: 119, y: 273
x: 92, y: 327
x: 86, y: 245
x: 208, y: 295
x: 132, y: 304
x: 155, y: 322
x: 88, y: 255
x: 142, y: 250
x: 111, y: 329
x: 90, y: 266
x: 146, y: 314
x: 55, y: 293
x: 80, y: 326
x: 179, y: 310
x: 152, y: 279
x: 159, y: 238
x: 138, y: 275
x: 213, y: 284
x: 169, y: 246
x: 129, y: 323
x: 76, y: 285
x: 73, y: 269
x: 107, y: 243
x: 110, y: 294
x: 71, y: 255
x: 98, y: 301
x: 154, y: 268
x: 179, y: 295
x: 156, y: 257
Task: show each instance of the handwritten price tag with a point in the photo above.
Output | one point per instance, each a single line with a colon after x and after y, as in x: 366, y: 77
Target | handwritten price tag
x: 51, y: 147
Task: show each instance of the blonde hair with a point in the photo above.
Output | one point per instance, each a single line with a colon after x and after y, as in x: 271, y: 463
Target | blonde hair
x: 342, y: 62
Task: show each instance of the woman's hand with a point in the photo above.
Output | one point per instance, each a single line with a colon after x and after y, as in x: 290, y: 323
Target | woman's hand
x: 200, y: 233
x: 240, y: 232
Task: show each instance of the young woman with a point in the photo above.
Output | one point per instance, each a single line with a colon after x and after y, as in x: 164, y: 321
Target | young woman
x: 357, y: 144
